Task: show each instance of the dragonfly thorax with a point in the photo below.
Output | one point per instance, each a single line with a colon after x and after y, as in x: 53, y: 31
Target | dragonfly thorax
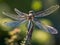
x: 30, y: 16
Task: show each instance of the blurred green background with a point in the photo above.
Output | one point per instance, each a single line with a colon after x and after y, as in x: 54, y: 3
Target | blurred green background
x: 25, y: 6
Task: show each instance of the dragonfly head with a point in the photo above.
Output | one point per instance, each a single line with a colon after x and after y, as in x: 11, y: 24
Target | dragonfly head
x: 31, y: 15
x: 31, y: 12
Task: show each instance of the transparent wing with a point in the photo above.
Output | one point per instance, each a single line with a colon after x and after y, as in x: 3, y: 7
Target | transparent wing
x: 40, y: 26
x: 13, y: 16
x: 14, y: 24
x: 52, y: 30
x: 19, y: 12
x: 46, y: 28
x: 47, y: 11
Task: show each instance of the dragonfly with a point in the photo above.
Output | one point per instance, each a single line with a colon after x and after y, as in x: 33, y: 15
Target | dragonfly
x: 32, y: 18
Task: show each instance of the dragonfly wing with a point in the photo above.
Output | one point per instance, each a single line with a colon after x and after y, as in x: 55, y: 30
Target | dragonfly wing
x: 46, y: 28
x: 19, y: 12
x: 14, y: 23
x: 51, y: 29
x: 40, y: 25
x: 47, y: 11
x: 13, y: 16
